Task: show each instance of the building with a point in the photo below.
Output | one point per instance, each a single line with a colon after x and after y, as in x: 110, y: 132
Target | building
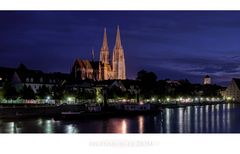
x: 118, y: 60
x: 207, y: 80
x: 104, y: 69
x: 22, y: 76
x: 233, y: 91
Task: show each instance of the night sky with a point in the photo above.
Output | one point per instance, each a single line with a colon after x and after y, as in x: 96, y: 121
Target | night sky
x: 173, y: 44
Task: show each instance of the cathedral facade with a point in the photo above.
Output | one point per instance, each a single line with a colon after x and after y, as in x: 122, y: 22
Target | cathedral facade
x: 104, y: 69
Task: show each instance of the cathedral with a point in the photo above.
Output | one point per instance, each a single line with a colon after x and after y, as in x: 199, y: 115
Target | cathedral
x: 104, y: 69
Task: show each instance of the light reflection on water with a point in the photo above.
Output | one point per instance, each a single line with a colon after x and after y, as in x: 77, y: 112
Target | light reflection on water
x: 207, y: 117
x: 202, y: 119
x: 221, y: 118
x: 167, y: 123
x: 141, y: 123
x: 124, y: 127
x: 71, y: 129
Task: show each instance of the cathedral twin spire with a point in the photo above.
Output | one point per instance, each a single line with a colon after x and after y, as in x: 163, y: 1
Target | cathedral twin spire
x: 118, y: 60
x: 118, y: 43
x: 104, y: 53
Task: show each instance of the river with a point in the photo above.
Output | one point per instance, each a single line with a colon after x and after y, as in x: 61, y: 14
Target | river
x: 219, y: 118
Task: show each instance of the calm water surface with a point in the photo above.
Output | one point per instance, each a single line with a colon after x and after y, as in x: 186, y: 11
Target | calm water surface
x: 221, y: 118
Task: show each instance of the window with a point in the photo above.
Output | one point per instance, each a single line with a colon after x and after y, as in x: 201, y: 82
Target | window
x: 0, y: 78
x: 27, y: 79
x: 31, y: 79
x: 50, y: 81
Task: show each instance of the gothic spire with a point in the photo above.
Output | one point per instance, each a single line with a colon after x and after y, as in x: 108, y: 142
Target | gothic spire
x: 104, y: 53
x: 118, y: 43
x: 93, y: 54
x: 105, y: 42
x: 118, y: 60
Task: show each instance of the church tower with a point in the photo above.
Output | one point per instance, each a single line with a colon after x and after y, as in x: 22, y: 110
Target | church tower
x: 118, y: 60
x: 105, y: 71
x: 104, y: 53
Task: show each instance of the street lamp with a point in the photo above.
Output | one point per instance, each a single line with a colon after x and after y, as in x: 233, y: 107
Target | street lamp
x: 168, y: 99
x: 48, y: 99
x: 69, y: 99
x: 153, y: 99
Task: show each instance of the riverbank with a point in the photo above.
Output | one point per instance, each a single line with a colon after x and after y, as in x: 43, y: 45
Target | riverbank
x: 71, y: 111
x: 176, y: 105
x: 36, y: 110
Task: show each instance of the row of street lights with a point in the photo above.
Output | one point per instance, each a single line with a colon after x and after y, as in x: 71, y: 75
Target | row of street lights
x: 185, y: 99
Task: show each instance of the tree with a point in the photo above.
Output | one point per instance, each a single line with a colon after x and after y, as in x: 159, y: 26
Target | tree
x: 161, y: 90
x: 148, y: 83
x: 9, y: 92
x: 146, y: 76
x: 116, y: 92
x: 1, y: 94
x: 211, y: 90
x: 184, y: 89
x: 58, y: 92
x: 85, y: 94
x: 27, y: 93
x: 43, y: 92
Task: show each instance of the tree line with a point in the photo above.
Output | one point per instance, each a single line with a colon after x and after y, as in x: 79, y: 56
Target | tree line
x: 147, y: 87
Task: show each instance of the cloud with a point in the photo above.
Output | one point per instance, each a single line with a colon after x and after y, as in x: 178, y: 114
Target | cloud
x: 172, y: 43
x: 219, y: 66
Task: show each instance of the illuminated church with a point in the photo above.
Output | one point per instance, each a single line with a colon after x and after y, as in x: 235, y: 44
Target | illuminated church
x: 104, y: 69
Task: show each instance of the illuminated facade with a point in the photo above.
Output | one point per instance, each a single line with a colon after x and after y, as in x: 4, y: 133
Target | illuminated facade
x: 118, y: 61
x: 104, y: 69
x: 233, y: 91
x: 207, y: 80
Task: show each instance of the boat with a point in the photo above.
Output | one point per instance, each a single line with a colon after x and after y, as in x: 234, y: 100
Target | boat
x: 71, y: 114
x: 120, y: 111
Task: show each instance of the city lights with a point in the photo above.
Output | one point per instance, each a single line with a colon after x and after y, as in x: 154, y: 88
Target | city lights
x: 176, y: 91
x: 69, y: 99
x: 99, y: 100
x: 168, y: 99
x: 229, y: 98
x: 48, y: 97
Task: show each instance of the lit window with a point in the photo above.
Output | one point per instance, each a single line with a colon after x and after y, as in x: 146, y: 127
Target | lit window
x: 0, y: 79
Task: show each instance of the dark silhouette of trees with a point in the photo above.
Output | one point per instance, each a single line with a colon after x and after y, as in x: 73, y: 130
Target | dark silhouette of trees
x: 185, y: 89
x: 211, y: 90
x: 150, y: 87
x: 27, y: 93
x: 9, y: 92
x: 43, y: 92
x: 116, y: 92
x: 85, y: 94
x: 58, y: 93
x: 161, y: 90
x: 148, y: 83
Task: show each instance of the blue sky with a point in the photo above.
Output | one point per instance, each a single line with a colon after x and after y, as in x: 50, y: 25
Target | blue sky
x: 173, y: 44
